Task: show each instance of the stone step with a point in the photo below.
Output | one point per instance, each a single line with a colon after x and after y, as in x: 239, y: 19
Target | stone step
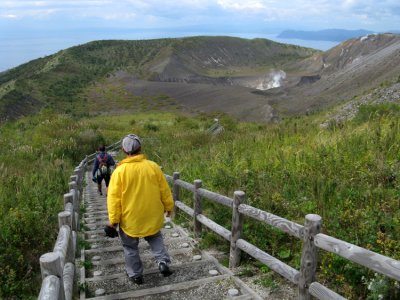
x: 95, y: 213
x: 210, y: 288
x: 95, y: 235
x: 96, y: 207
x: 117, y: 265
x: 119, y: 282
x: 104, y: 253
x: 96, y: 218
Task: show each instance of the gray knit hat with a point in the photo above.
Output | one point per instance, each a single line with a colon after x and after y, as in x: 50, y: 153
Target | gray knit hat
x: 131, y: 143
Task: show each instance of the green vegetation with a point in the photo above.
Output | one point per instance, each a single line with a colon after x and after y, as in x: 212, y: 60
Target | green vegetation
x: 349, y: 175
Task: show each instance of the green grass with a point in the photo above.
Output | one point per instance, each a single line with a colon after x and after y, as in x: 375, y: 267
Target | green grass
x: 349, y: 175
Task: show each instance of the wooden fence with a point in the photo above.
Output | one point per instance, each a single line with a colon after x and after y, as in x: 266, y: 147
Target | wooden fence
x: 309, y: 233
x: 58, y: 267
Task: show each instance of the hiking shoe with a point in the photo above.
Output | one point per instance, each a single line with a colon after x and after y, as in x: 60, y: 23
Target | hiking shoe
x: 101, y: 194
x: 137, y: 280
x: 164, y: 269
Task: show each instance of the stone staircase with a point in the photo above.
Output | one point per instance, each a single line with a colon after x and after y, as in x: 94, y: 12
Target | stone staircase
x: 197, y: 275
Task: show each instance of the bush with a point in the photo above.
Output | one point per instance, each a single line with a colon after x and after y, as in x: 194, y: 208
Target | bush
x: 373, y: 111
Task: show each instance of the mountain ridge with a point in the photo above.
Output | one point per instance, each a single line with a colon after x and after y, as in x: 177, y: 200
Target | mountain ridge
x: 333, y: 35
x: 59, y: 81
x: 200, y: 74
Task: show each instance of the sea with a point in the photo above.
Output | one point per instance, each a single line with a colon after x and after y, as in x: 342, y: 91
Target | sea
x: 17, y: 50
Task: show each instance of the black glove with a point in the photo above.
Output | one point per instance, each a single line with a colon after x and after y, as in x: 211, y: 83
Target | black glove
x: 110, y: 231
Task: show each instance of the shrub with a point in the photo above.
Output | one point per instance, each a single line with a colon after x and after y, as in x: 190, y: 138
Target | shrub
x: 373, y: 111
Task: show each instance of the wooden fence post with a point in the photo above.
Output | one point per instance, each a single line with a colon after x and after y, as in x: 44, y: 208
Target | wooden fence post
x: 65, y: 218
x: 237, y: 224
x: 175, y: 190
x: 74, y: 178
x: 197, y: 208
x: 309, y: 259
x: 50, y: 288
x: 50, y: 264
x: 68, y: 198
x: 78, y: 172
x: 68, y: 280
x: 70, y: 208
x: 75, y: 201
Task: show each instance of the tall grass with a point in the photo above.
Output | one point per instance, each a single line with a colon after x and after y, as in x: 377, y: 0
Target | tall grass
x: 37, y: 156
x: 347, y: 174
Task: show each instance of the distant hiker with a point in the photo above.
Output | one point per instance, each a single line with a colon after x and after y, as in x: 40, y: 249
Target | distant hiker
x: 102, y: 168
x: 138, y: 198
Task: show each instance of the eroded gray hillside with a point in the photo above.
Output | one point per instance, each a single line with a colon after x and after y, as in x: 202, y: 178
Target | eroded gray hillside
x: 348, y: 70
x: 254, y: 80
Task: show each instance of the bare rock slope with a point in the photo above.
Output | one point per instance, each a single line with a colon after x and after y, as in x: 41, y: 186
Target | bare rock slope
x: 314, y: 83
x: 348, y: 70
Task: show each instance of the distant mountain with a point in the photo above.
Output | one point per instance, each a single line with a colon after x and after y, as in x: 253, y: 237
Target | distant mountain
x: 254, y: 80
x: 77, y: 78
x: 333, y: 35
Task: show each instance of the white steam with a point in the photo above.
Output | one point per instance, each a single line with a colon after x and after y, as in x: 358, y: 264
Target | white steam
x: 271, y: 80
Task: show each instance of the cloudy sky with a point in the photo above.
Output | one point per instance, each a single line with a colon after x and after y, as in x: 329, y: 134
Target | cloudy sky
x: 57, y: 24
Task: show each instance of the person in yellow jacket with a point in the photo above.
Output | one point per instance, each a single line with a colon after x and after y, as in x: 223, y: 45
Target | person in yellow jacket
x: 138, y: 198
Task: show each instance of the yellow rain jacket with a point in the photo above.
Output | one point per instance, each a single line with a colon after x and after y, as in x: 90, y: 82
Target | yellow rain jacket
x: 138, y: 196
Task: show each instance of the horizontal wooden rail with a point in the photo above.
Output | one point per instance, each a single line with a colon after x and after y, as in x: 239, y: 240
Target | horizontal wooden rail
x: 374, y: 261
x: 186, y: 185
x: 323, y: 293
x: 117, y: 144
x: 225, y: 233
x: 273, y: 263
x: 215, y: 197
x: 62, y: 245
x: 309, y: 234
x: 185, y: 208
x: 287, y: 226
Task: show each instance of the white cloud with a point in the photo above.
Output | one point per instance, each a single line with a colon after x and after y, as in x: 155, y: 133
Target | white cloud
x: 348, y: 3
x: 242, y: 5
x: 8, y: 16
x: 120, y: 16
x: 172, y: 13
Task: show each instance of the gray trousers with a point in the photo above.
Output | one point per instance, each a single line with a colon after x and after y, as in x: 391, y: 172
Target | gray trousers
x: 133, y: 263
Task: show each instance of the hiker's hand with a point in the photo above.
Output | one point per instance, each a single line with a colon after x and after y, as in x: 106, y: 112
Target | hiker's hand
x: 110, y: 231
x: 168, y: 214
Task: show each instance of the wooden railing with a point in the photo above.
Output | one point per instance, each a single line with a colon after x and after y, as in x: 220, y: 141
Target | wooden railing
x: 58, y: 267
x: 309, y: 233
